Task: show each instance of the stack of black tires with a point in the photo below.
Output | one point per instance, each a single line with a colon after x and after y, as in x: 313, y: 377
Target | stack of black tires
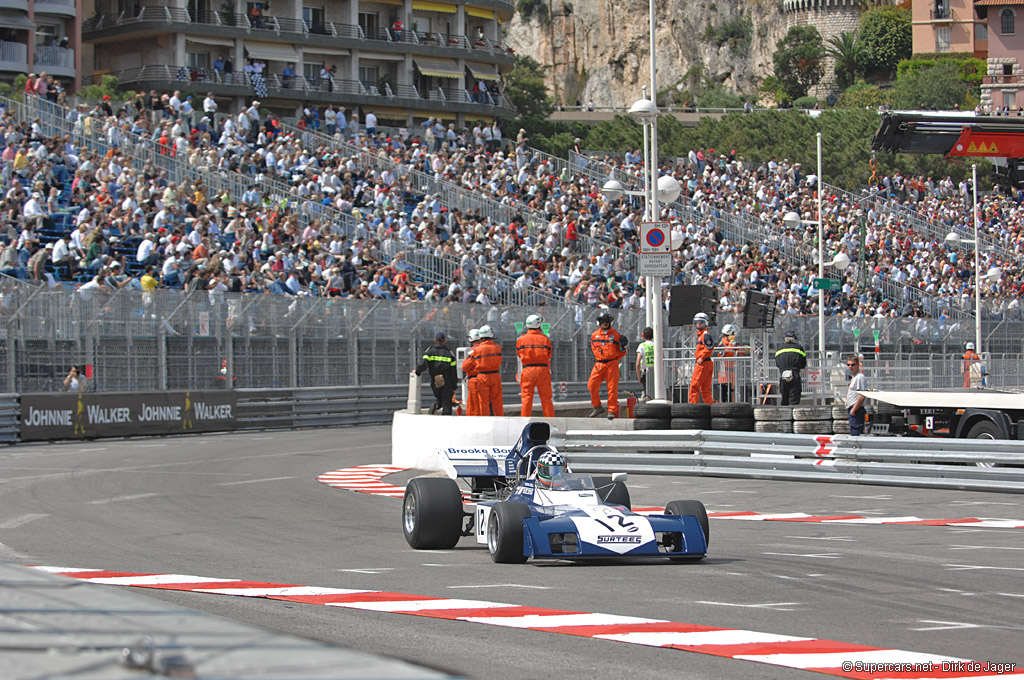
x: 732, y: 417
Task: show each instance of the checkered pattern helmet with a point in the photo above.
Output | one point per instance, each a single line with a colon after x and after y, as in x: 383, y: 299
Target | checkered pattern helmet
x: 550, y: 464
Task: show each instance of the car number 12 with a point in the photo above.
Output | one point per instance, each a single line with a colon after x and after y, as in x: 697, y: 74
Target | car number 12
x: 622, y: 523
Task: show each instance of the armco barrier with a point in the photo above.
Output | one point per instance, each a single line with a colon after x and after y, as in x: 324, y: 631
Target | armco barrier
x: 896, y: 461
x: 10, y: 418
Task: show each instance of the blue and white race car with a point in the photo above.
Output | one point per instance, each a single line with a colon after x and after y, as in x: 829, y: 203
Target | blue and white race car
x: 524, y: 502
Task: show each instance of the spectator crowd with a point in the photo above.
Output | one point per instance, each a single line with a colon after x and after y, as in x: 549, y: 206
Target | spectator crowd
x: 330, y: 208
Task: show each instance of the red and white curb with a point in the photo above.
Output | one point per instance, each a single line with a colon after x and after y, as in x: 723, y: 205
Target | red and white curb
x: 366, y: 479
x: 825, y: 656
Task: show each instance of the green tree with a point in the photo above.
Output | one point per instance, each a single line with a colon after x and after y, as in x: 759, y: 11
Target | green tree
x: 862, y: 96
x: 886, y: 32
x: 940, y: 87
x: 799, y: 60
x: 848, y: 51
x: 106, y: 87
x: 526, y: 89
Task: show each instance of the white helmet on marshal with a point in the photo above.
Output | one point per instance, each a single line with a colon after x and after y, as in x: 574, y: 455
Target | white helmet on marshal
x: 533, y: 321
x: 700, y: 317
x: 970, y: 346
x: 728, y: 329
x: 486, y: 332
x: 474, y: 334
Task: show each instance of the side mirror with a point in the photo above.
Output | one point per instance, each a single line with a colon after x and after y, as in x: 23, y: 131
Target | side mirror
x: 620, y: 477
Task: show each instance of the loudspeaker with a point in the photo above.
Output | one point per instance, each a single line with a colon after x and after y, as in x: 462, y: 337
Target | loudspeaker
x: 687, y: 301
x: 759, y: 312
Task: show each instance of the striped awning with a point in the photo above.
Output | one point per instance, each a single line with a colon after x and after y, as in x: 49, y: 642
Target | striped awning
x: 483, y: 71
x: 424, y: 6
x: 479, y: 13
x: 441, y: 68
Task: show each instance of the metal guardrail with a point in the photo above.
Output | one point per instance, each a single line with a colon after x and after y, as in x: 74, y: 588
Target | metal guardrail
x: 10, y: 418
x: 891, y: 461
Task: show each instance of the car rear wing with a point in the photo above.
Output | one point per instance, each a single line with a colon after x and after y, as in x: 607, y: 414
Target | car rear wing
x: 493, y: 461
x: 479, y: 461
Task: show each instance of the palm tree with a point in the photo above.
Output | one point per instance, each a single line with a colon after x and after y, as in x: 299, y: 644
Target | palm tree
x: 849, y: 53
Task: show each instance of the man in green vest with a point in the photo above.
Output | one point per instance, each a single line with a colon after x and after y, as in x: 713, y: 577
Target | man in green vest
x: 645, y: 362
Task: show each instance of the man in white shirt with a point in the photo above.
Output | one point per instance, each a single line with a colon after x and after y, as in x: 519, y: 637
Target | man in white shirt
x: 210, y: 105
x: 371, y: 124
x: 145, y: 254
x: 32, y: 207
x: 62, y: 257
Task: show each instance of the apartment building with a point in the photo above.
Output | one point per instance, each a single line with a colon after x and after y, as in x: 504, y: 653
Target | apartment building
x: 948, y: 26
x: 403, y: 59
x: 41, y: 35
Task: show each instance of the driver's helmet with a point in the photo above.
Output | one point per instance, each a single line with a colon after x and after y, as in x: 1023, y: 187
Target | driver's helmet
x: 550, y: 466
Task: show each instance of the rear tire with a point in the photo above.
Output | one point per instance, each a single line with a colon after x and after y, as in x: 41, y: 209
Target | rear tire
x: 505, y: 532
x: 432, y: 513
x: 696, y: 509
x: 611, y: 492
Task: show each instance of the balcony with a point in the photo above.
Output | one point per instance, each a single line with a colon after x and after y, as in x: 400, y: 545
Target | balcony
x: 299, y: 89
x: 57, y: 61
x: 329, y: 33
x: 62, y: 7
x: 13, y: 57
x: 1016, y: 79
x: 941, y: 15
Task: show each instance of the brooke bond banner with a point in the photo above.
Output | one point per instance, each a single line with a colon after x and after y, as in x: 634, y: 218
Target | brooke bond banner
x: 122, y: 414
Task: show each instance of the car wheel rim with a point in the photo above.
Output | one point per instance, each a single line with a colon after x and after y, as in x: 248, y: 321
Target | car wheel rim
x: 409, y: 514
x: 492, y: 535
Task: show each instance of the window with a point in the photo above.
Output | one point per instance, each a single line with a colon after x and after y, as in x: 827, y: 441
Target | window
x: 199, y: 9
x: 46, y: 34
x: 315, y: 19
x: 1007, y: 69
x: 368, y: 75
x: 980, y: 32
x: 1009, y: 100
x: 1006, y: 22
x: 368, y: 22
x: 942, y: 39
x: 311, y: 71
x: 196, y: 61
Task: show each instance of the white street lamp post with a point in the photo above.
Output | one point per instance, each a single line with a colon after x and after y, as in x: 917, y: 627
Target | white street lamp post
x: 992, y: 275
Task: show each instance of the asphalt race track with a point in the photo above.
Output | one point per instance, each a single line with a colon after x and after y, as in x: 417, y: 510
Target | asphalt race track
x: 249, y: 506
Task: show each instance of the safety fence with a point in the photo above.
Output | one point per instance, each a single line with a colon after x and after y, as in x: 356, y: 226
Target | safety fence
x: 897, y: 461
x: 127, y: 341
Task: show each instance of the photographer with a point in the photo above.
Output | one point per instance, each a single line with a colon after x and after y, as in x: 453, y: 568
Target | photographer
x: 73, y: 381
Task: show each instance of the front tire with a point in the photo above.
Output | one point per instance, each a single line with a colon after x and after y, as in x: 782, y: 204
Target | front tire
x: 432, y: 513
x: 613, y: 493
x: 696, y: 509
x: 505, y: 532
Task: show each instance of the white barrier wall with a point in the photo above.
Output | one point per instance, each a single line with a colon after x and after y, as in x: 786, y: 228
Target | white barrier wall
x: 416, y: 438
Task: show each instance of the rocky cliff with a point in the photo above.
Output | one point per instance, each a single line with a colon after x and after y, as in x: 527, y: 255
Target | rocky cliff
x: 597, y: 50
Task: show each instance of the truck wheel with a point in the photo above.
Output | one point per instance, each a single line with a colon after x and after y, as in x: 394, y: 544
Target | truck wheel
x: 985, y: 429
x: 432, y: 513
x: 505, y: 532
